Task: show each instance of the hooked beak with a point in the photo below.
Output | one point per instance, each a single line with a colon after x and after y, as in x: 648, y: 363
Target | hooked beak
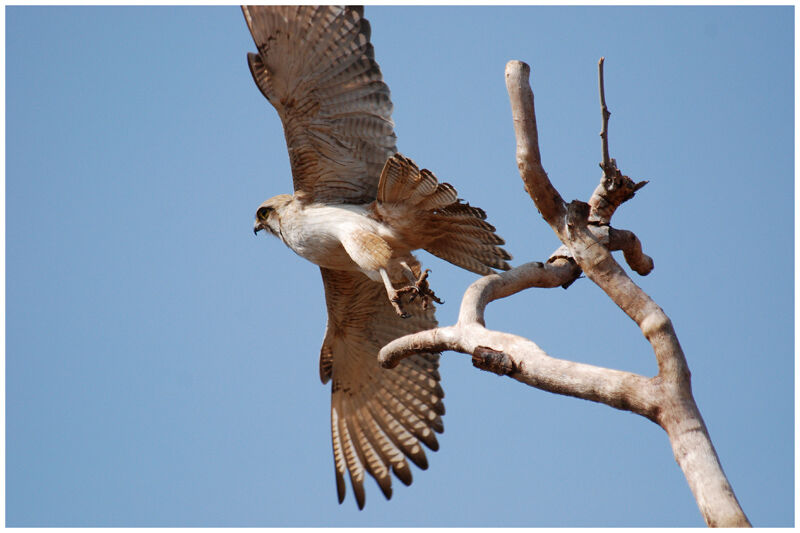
x: 257, y: 227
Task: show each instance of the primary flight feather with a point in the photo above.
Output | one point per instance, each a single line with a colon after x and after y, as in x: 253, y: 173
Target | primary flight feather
x: 358, y: 211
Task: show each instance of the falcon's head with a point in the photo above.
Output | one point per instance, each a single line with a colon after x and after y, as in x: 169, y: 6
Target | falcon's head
x: 268, y: 214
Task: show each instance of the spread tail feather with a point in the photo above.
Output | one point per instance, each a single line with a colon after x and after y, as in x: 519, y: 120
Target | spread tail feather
x: 452, y: 230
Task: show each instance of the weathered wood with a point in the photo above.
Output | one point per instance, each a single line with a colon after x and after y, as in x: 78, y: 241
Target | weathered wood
x: 588, y: 239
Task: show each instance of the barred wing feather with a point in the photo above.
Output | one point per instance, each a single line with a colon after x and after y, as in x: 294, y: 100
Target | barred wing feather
x: 379, y: 417
x: 316, y: 65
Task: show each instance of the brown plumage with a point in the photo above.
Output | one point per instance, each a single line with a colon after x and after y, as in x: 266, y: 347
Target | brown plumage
x: 358, y: 211
x: 379, y: 417
x: 317, y: 67
x: 429, y: 215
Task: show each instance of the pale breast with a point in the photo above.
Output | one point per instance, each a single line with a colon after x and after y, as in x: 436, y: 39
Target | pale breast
x: 315, y: 232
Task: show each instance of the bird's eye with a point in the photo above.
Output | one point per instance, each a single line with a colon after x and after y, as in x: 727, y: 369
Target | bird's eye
x: 262, y: 213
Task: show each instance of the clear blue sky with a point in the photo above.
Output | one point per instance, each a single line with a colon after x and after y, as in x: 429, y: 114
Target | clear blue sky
x: 161, y: 361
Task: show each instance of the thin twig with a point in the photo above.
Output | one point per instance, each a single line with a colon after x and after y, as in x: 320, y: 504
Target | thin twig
x: 606, y: 113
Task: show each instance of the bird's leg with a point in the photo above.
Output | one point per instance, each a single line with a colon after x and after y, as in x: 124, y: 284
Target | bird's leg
x: 419, y: 286
x: 394, y: 295
x: 408, y: 273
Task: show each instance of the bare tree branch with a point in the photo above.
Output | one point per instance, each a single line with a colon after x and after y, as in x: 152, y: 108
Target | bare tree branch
x: 520, y: 358
x: 620, y: 239
x: 529, y: 161
x: 614, y: 188
x: 523, y: 360
x: 588, y: 239
x: 606, y: 114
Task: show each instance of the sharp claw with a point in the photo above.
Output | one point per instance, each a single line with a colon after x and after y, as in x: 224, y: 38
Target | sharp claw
x: 397, y: 307
x: 419, y: 288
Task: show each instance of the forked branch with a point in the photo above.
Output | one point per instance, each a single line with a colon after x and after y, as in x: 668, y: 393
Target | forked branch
x: 588, y: 239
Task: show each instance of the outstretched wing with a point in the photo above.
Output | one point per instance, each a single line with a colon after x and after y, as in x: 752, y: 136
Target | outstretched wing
x: 379, y: 417
x: 316, y: 66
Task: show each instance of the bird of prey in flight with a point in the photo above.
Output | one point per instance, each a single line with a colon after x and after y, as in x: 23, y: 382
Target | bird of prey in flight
x: 358, y: 211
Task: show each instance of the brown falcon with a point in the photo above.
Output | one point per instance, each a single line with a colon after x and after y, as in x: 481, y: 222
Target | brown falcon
x: 358, y: 211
